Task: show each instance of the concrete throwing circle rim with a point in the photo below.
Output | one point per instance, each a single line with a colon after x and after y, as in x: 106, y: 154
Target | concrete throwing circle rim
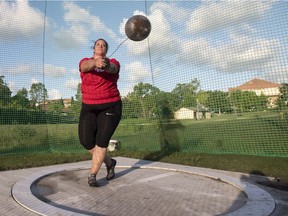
x: 260, y: 202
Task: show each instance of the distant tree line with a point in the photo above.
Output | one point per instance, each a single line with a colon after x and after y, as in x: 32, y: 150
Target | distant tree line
x: 145, y: 101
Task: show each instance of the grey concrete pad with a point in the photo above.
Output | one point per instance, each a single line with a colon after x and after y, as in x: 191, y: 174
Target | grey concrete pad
x: 140, y: 188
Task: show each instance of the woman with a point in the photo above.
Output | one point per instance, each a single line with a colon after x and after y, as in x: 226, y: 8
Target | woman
x: 101, y: 108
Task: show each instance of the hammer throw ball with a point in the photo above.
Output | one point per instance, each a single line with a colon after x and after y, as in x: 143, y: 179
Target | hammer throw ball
x: 137, y: 28
x: 107, y: 64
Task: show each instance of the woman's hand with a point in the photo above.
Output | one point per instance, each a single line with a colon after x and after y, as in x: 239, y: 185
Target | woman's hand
x: 102, y: 63
x: 106, y: 64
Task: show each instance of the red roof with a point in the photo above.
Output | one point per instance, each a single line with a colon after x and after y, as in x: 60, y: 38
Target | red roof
x: 255, y: 84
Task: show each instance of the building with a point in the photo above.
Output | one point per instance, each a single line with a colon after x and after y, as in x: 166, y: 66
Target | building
x: 191, y: 113
x: 184, y: 113
x: 66, y: 102
x: 261, y: 87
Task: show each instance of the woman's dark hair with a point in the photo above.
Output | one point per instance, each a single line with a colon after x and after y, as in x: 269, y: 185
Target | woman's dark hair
x: 107, y: 46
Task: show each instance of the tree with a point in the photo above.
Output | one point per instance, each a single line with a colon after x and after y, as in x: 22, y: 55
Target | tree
x: 130, y: 108
x: 5, y: 93
x: 185, y: 94
x: 260, y: 102
x: 202, y: 97
x: 56, y: 105
x: 243, y: 101
x: 78, y: 95
x: 282, y: 102
x: 76, y: 104
x: 38, y: 93
x: 164, y: 108
x: 142, y: 89
x: 20, y: 100
x: 143, y: 99
x: 218, y: 101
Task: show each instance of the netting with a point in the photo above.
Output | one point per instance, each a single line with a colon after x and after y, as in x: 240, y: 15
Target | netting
x: 211, y: 77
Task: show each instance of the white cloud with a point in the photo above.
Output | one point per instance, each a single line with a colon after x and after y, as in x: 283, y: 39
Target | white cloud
x: 72, y: 84
x: 75, y: 71
x: 161, y: 38
x: 54, y: 71
x: 124, y: 92
x: 226, y: 41
x: 276, y: 73
x: 12, y: 87
x: 196, y: 52
x: 241, y: 54
x: 15, y: 87
x: 174, y: 13
x: 75, y: 14
x: 54, y: 94
x: 19, y: 69
x: 80, y: 25
x: 239, y: 49
x: 136, y: 71
x: 211, y: 15
x: 19, y: 20
x: 227, y: 56
x: 72, y: 37
x: 34, y: 80
x: 122, y: 27
x: 50, y: 70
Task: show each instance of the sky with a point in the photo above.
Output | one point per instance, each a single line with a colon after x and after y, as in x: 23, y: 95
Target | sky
x: 222, y: 44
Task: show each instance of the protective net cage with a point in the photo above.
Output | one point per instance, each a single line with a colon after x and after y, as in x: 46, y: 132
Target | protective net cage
x: 212, y: 77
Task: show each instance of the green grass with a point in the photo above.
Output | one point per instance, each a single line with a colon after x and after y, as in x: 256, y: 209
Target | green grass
x: 250, y: 136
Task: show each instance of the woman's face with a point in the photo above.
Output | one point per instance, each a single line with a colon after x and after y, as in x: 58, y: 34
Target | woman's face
x: 100, y: 48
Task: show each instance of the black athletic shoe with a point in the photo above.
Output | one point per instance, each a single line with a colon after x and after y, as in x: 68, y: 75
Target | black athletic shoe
x: 92, y: 180
x: 110, y: 169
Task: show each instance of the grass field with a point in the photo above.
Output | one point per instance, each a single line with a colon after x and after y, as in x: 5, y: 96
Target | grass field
x: 251, y: 143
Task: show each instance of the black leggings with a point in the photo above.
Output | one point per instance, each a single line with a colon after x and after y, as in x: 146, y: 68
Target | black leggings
x: 98, y: 123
